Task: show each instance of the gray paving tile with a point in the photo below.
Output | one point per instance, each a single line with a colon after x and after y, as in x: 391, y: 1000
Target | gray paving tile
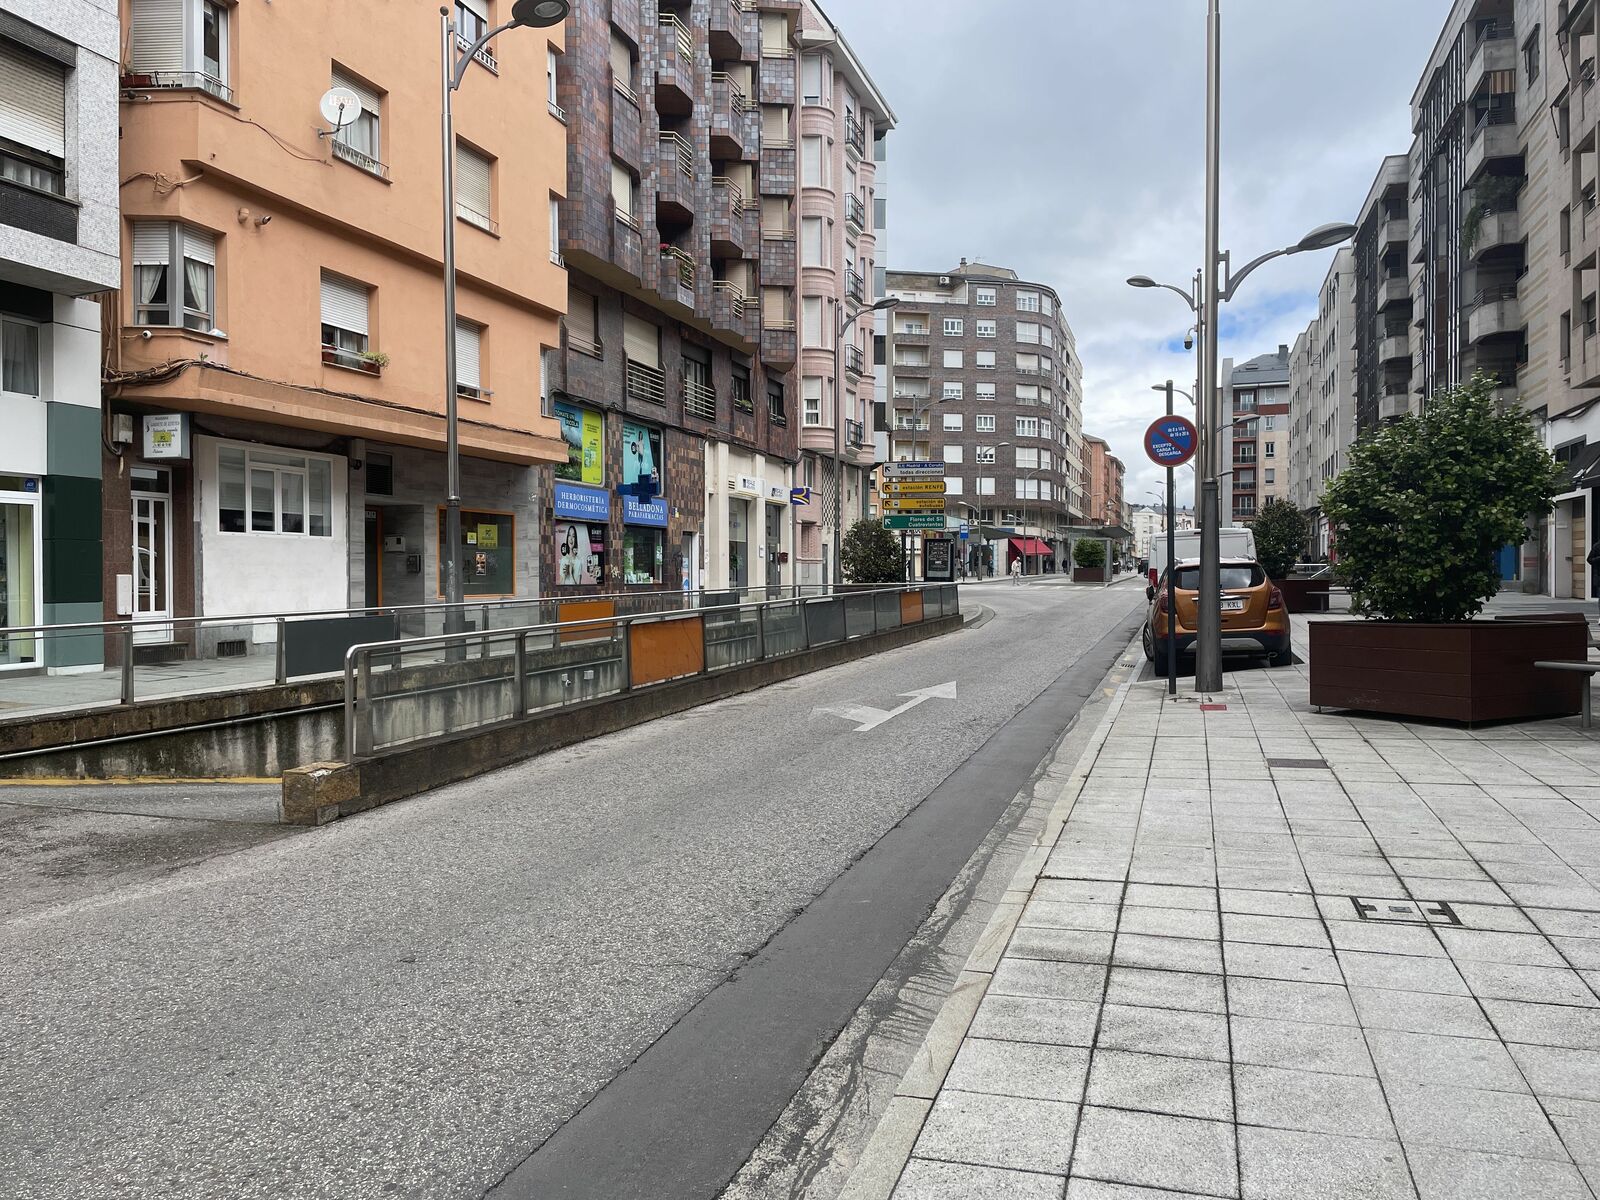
x: 1558, y: 1071
x: 1048, y: 979
x: 1311, y: 1102
x: 1157, y: 1150
x: 1545, y: 1024
x: 1421, y: 1012
x: 1035, y: 1019
x: 1539, y: 985
x: 1268, y: 903
x: 1081, y: 891
x: 1279, y: 1164
x: 1578, y: 1123
x: 1299, y: 963
x: 1380, y: 938
x: 1446, y: 1061
x: 1060, y: 945
x: 1333, y: 1049
x: 1185, y: 1087
x: 1565, y: 922
x: 1524, y: 949
x: 1164, y: 1031
x: 1164, y: 896
x: 1463, y: 1175
x: 1273, y: 931
x: 1166, y: 989
x: 1582, y: 953
x: 1029, y: 1069
x: 1070, y: 914
x: 1168, y: 953
x: 998, y: 1131
x: 1401, y: 972
x: 1472, y: 1119
x: 1170, y: 922
x: 1096, y: 1189
x: 924, y: 1179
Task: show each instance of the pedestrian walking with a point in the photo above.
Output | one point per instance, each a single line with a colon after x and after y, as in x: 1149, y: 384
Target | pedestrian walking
x: 1016, y: 571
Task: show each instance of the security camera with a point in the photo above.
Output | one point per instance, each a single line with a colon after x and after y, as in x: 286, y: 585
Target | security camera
x: 1188, y: 341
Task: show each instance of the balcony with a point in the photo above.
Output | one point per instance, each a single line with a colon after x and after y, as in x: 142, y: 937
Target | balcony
x: 731, y: 134
x: 1494, y: 139
x: 855, y: 212
x: 778, y: 345
x: 675, y: 87
x: 1393, y: 405
x: 730, y: 236
x: 699, y: 399
x: 732, y: 31
x: 732, y: 310
x: 1419, y: 242
x: 646, y: 383
x: 854, y: 360
x: 854, y: 287
x: 912, y: 368
x: 675, y: 178
x: 1496, y: 229
x: 910, y: 333
x: 1392, y: 290
x: 1395, y: 347
x: 855, y: 135
x: 855, y: 434
x: 1394, y: 235
x: 1496, y: 312
x: 1496, y: 51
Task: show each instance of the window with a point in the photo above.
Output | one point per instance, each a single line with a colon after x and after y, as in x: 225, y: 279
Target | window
x: 814, y: 163
x: 951, y: 389
x: 952, y: 454
x: 550, y: 91
x: 777, y: 408
x: 625, y: 194
x: 811, y: 79
x: 813, y: 243
x: 1272, y: 449
x: 555, y: 231
x: 360, y: 143
x: 159, y: 298
x: 181, y: 43
x: 33, y: 120
x: 1028, y: 332
x: 1027, y: 427
x: 985, y: 454
x: 811, y: 322
x: 775, y: 217
x: 777, y: 308
x: 1027, y: 457
x: 986, y: 486
x: 775, y: 126
x: 953, y: 326
x: 469, y: 359
x: 952, y: 485
x: 1046, y: 338
x: 774, y: 35
x: 983, y: 296
x: 474, y: 203
x: 1530, y: 56
x: 984, y: 391
x: 1028, y: 364
x: 952, y: 421
x: 1027, y: 393
x: 1047, y: 306
x: 986, y: 329
x: 583, y: 322
x: 623, y: 60
x: 1028, y: 302
x: 1044, y: 427
x: 345, y: 306
x: 265, y: 491
x: 487, y: 552
x: 1044, y: 396
x: 643, y: 554
x: 1271, y: 422
x: 952, y: 359
x: 472, y: 19
x: 1268, y: 473
x: 19, y: 357
x: 984, y: 360
x: 811, y: 400
x: 984, y: 422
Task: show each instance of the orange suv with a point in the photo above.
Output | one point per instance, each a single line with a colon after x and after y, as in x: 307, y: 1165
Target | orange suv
x: 1252, y: 610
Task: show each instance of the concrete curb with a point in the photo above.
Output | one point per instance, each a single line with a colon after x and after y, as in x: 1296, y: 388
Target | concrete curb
x: 889, y: 1148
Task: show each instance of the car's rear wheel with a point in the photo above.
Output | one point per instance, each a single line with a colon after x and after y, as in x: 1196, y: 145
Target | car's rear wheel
x: 1149, y: 643
x: 1281, y: 658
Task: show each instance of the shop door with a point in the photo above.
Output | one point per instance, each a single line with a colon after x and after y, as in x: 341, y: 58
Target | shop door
x: 372, y: 558
x: 19, y: 581
x: 152, y: 553
x: 1580, y: 549
x: 774, y: 544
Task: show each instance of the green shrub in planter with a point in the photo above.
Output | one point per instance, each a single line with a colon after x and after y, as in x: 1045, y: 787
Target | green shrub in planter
x: 1280, y: 536
x: 1425, y: 503
x: 871, y: 554
x: 1087, y: 553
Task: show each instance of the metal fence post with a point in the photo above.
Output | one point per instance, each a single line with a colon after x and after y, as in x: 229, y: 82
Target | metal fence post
x: 280, y: 670
x: 127, y: 664
x: 349, y: 707
x: 761, y: 632
x: 520, y: 668
x: 365, y: 676
x: 483, y: 612
x: 626, y: 626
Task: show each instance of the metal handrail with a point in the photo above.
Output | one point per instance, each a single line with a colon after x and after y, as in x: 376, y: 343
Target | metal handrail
x: 681, y: 149
x: 680, y: 33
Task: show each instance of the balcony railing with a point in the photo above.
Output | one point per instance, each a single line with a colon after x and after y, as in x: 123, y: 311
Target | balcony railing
x: 855, y: 433
x: 681, y: 262
x: 855, y: 211
x: 855, y: 134
x: 734, y: 193
x: 484, y: 56
x: 854, y: 287
x: 357, y: 159
x: 911, y: 425
x: 679, y: 149
x: 675, y: 31
x: 854, y: 360
x: 646, y: 382
x: 699, y: 399
x: 1494, y: 294
x: 911, y: 331
x: 736, y: 93
x: 734, y: 293
x: 1493, y: 116
x: 179, y: 79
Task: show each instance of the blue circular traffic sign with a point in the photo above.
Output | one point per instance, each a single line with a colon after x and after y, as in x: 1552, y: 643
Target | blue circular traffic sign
x: 1170, y: 441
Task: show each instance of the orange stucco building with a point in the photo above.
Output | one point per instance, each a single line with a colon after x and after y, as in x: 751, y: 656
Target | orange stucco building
x: 279, y: 342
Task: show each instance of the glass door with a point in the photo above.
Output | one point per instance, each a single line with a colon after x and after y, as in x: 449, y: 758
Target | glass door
x: 152, y: 553
x: 774, y: 543
x: 19, y: 578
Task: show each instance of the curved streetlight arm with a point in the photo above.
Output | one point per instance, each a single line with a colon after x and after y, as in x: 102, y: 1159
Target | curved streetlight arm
x: 1234, y: 280
x: 1187, y: 298
x: 464, y: 57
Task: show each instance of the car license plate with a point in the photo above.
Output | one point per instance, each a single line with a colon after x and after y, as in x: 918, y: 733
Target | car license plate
x: 1233, y: 604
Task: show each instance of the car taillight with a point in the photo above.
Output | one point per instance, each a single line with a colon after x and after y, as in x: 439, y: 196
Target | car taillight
x: 1153, y: 578
x: 1275, y: 599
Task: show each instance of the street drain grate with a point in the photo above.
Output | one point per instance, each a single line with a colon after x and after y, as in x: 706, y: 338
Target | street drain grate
x: 1306, y: 764
x: 1405, y: 912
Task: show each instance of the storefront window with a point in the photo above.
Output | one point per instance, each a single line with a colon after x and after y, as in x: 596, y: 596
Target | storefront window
x: 642, y: 555
x: 262, y: 491
x: 488, y: 553
x: 18, y: 581
x: 738, y: 542
x: 580, y: 553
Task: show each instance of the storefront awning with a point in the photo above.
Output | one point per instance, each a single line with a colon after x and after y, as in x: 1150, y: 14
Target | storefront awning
x: 1030, y: 547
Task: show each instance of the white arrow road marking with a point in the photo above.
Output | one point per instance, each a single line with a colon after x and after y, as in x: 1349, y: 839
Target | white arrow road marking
x: 869, y: 718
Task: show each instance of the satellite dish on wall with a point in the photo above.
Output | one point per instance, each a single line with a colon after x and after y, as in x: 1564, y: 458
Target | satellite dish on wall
x: 340, y: 107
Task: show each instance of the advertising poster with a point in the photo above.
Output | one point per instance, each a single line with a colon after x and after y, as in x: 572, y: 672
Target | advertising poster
x: 641, y: 461
x: 938, y: 560
x: 584, y: 431
x: 580, y: 553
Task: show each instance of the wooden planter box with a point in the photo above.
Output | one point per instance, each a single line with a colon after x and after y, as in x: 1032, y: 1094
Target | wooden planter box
x: 333, y: 358
x: 1304, y: 595
x: 1088, y: 574
x: 1466, y: 671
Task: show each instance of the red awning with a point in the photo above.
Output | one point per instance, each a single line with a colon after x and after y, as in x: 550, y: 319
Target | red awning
x: 1030, y: 547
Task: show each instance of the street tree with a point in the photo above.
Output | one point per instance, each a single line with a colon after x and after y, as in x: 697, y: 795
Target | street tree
x: 1280, y: 530
x: 872, y: 554
x: 1089, y: 552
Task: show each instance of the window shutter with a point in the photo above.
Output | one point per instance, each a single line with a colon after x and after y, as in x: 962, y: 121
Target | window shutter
x: 199, y: 245
x: 580, y: 317
x: 33, y: 101
x: 621, y: 60
x: 774, y: 306
x: 371, y: 102
x: 469, y: 343
x: 472, y: 181
x: 774, y: 31
x: 775, y: 123
x: 641, y: 341
x: 152, y: 243
x: 622, y: 188
x: 344, y: 304
x: 155, y: 46
x: 479, y: 7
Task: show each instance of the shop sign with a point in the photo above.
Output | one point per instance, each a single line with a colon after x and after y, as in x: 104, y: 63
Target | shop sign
x: 582, y: 503
x: 166, y: 435
x: 651, y: 513
x: 749, y: 484
x: 777, y: 493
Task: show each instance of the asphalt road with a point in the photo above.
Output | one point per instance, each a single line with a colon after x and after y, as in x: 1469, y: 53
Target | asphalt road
x: 411, y: 1003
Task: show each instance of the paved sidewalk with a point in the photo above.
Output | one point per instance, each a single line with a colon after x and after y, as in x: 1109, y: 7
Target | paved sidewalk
x: 1192, y: 1001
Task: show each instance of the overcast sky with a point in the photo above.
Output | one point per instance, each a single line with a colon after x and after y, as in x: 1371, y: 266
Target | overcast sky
x: 1065, y: 139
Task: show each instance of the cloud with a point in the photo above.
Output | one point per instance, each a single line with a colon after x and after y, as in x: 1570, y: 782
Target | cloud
x: 1065, y: 139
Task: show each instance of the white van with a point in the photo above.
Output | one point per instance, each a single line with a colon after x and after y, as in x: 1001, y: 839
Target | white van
x: 1237, y: 542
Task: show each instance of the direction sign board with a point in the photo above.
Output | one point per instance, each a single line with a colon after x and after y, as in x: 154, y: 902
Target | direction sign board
x: 914, y: 521
x: 1170, y: 441
x: 914, y: 470
x: 913, y: 504
x: 913, y: 487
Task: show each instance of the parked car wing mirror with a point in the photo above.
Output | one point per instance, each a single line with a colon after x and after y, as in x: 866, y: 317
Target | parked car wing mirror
x: 1150, y: 592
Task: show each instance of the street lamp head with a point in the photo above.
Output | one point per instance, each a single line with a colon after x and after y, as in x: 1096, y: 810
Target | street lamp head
x: 1142, y: 281
x: 539, y: 14
x: 1324, y: 237
x: 886, y: 302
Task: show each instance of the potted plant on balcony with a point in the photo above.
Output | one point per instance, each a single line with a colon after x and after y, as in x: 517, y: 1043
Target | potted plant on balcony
x: 1418, y: 515
x: 1089, y: 561
x: 1280, y: 530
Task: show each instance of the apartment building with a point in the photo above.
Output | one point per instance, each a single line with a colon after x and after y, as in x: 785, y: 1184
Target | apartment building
x: 987, y: 377
x: 278, y: 348
x: 1263, y: 380
x: 58, y: 261
x: 1273, y: 473
x: 1321, y: 395
x: 1105, y: 471
x: 1383, y: 298
x: 843, y: 123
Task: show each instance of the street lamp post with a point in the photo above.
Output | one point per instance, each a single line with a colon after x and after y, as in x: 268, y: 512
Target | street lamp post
x: 532, y: 14
x: 842, y: 325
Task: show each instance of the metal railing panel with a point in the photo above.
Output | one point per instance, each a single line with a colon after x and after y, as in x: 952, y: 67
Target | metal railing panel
x: 888, y: 610
x: 859, y: 620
